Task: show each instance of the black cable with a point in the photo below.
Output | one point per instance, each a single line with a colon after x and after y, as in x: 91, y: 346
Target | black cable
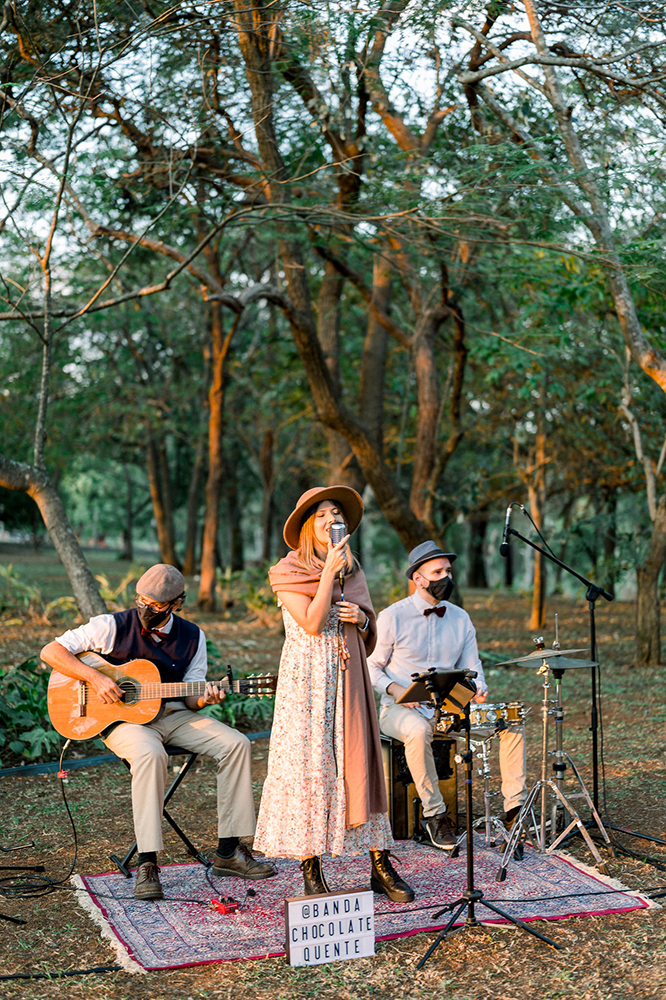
x: 543, y: 899
x: 62, y: 975
x: 29, y: 886
x: 531, y: 520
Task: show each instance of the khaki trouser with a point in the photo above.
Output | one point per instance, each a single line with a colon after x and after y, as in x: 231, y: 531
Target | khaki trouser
x: 143, y: 748
x: 416, y: 732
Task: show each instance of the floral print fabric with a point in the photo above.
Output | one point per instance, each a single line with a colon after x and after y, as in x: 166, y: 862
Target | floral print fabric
x: 302, y: 811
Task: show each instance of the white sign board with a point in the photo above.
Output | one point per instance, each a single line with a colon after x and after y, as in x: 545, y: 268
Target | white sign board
x: 330, y: 928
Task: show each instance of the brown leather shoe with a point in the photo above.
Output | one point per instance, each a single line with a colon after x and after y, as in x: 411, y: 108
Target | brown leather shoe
x: 241, y: 864
x: 439, y: 831
x: 385, y: 879
x: 147, y: 885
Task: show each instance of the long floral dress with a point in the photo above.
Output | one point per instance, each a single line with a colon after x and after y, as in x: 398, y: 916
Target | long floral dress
x: 302, y: 811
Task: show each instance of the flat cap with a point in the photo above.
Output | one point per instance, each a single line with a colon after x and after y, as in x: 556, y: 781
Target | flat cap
x: 161, y: 583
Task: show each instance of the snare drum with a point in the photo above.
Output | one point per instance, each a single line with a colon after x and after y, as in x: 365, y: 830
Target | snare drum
x: 485, y: 717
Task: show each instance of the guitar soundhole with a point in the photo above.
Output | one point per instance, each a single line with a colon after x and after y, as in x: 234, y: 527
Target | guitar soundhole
x: 131, y: 692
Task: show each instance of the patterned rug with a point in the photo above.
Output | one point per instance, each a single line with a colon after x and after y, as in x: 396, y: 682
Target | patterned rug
x: 181, y: 932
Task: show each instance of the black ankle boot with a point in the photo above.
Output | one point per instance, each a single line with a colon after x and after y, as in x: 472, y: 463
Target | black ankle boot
x: 385, y: 879
x: 313, y: 877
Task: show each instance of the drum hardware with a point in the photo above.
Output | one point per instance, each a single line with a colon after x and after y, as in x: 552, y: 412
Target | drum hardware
x: 495, y: 831
x: 492, y: 718
x: 545, y: 785
x: 472, y: 897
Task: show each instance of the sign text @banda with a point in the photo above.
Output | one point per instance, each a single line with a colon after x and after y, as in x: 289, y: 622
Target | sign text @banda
x: 330, y: 928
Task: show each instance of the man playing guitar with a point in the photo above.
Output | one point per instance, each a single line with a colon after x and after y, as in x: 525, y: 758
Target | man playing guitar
x: 153, y: 631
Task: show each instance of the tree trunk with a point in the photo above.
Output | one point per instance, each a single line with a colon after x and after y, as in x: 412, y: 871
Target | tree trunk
x: 537, y: 496
x: 189, y: 561
x: 160, y: 512
x: 128, y: 542
x: 220, y: 345
x: 255, y: 39
x: 37, y: 484
x: 648, y: 638
x: 610, y: 541
x: 268, y: 503
x: 373, y: 359
x: 476, y: 569
x: 167, y: 499
x: 236, y: 545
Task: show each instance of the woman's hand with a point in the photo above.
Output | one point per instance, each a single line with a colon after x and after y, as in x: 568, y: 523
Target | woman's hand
x: 351, y: 613
x: 336, y: 557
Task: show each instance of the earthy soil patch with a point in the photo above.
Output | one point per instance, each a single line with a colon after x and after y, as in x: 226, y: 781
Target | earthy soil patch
x: 604, y: 958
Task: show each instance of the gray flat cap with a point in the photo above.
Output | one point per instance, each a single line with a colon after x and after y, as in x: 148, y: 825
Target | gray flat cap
x: 161, y: 583
x: 423, y: 553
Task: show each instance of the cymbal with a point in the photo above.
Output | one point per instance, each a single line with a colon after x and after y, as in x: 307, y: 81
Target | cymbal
x: 564, y: 663
x: 539, y: 654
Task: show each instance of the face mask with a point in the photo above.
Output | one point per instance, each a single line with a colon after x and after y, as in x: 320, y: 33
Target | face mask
x: 440, y: 589
x: 150, y: 618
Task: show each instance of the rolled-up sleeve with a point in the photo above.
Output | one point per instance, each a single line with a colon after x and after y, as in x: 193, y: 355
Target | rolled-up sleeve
x: 97, y: 635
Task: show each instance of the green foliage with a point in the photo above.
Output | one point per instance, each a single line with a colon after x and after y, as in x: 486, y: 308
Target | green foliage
x: 236, y: 708
x: 25, y: 729
x: 15, y: 594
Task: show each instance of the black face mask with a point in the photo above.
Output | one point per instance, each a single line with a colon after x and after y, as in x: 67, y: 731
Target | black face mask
x: 440, y: 589
x: 150, y: 618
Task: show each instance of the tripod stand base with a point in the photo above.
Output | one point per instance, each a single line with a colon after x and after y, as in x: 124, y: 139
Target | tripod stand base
x: 470, y: 899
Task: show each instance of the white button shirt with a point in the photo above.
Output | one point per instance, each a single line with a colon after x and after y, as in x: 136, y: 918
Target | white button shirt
x: 410, y: 642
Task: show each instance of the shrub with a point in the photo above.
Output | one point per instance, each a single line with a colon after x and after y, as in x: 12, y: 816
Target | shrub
x: 25, y: 729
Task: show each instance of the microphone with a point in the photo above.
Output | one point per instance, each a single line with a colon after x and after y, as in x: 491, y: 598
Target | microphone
x: 504, y: 547
x: 338, y: 532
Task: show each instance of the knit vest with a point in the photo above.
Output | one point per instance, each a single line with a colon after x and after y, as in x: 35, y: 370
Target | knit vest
x: 172, y: 655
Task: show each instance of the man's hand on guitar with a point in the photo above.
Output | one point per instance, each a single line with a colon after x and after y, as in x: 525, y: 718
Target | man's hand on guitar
x: 105, y: 689
x: 213, y: 695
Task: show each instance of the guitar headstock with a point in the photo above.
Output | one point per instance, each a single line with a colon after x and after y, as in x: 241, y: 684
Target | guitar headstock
x: 257, y: 685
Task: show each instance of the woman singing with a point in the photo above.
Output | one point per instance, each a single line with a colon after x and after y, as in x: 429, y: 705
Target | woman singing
x: 325, y: 790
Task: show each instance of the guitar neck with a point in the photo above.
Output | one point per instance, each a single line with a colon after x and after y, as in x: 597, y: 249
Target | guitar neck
x: 149, y: 691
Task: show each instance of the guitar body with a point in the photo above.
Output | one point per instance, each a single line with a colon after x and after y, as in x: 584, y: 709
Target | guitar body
x: 77, y: 713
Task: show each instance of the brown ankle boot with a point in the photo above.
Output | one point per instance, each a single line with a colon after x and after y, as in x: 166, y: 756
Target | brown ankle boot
x: 385, y: 879
x: 313, y: 877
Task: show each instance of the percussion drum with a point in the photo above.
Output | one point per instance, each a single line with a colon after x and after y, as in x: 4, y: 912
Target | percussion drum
x: 485, y: 717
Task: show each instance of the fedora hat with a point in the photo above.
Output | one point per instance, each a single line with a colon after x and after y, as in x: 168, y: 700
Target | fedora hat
x: 345, y: 496
x: 423, y: 553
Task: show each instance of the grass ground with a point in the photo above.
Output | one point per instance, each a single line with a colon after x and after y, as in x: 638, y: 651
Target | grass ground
x: 604, y: 958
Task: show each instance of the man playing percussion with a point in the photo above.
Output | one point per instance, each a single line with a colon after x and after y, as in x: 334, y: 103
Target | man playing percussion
x: 414, y: 635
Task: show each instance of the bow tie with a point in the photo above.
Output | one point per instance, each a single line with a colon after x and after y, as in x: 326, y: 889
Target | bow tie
x: 155, y: 632
x: 440, y: 612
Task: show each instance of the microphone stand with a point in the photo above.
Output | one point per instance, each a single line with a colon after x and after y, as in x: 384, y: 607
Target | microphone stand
x: 592, y: 595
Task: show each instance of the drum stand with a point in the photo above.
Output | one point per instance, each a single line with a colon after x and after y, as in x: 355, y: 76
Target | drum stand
x: 526, y: 817
x: 471, y: 897
x: 495, y: 831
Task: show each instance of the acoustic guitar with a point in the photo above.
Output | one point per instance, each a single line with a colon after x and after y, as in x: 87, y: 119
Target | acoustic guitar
x: 77, y: 713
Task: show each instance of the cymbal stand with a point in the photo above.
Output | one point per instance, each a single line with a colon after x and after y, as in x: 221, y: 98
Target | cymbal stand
x: 472, y: 897
x: 546, y: 785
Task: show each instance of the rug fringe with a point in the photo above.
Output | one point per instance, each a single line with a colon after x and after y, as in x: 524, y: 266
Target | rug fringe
x: 614, y: 883
x: 106, y: 931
